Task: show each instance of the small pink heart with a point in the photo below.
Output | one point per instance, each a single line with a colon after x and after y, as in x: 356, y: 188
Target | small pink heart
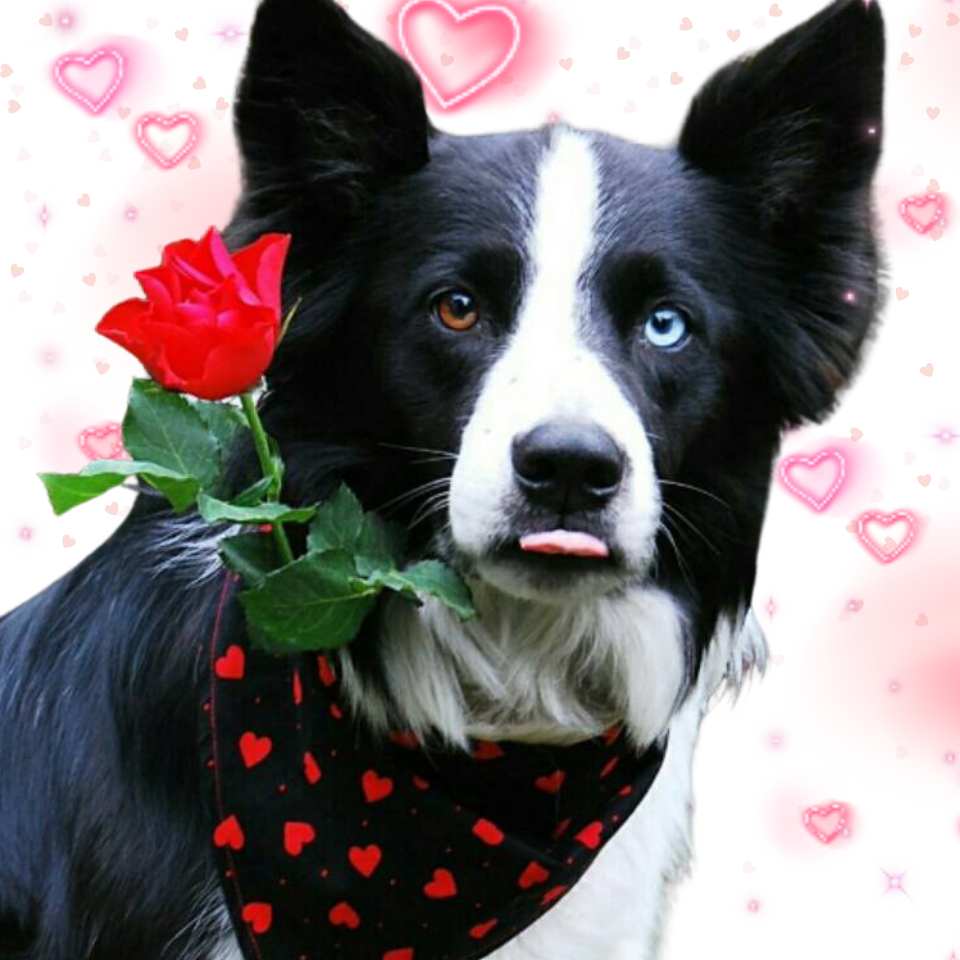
x: 123, y: 112
x: 927, y: 370
x: 222, y: 104
x: 16, y: 270
x: 12, y: 106
x: 623, y: 53
x: 775, y: 11
x: 933, y: 186
x: 856, y: 434
x: 933, y: 112
x: 83, y: 200
x: 889, y: 549
x: 905, y: 59
x: 113, y: 508
x: 915, y: 31
x: 686, y: 24
x: 924, y: 212
x: 5, y: 70
x: 902, y: 293
x: 193, y: 163
x: 102, y: 442
x: 828, y: 821
x: 676, y: 78
x: 952, y: 19
x: 924, y: 480
x: 734, y: 35
x: 182, y: 33
x: 89, y: 279
x: 46, y: 20
x: 820, y: 486
x: 102, y: 366
x: 165, y: 156
x: 921, y: 620
x: 91, y: 79
x: 199, y: 84
x: 68, y: 541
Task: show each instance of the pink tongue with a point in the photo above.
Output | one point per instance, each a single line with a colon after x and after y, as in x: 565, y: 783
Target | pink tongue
x: 565, y: 542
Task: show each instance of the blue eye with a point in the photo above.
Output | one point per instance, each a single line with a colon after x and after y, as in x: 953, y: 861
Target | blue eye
x: 666, y: 328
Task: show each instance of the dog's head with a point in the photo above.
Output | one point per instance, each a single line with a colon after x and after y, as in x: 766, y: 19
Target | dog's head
x: 564, y: 359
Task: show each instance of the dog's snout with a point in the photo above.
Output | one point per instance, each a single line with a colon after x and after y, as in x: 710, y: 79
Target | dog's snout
x: 567, y: 465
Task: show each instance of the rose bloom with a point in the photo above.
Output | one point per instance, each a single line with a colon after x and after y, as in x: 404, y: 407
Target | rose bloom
x: 211, y: 320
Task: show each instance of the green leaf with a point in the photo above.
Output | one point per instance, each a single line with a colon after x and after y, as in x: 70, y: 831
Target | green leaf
x: 429, y: 578
x: 222, y: 419
x: 255, y: 493
x: 338, y: 523
x: 163, y: 428
x: 68, y: 490
x: 314, y: 603
x: 218, y: 511
x: 252, y: 555
x: 341, y: 524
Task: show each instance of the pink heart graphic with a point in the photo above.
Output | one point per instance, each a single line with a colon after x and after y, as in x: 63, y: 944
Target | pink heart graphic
x: 936, y: 217
x: 889, y: 549
x: 157, y: 152
x: 822, y: 485
x: 827, y: 822
x: 482, y: 44
x: 103, y: 442
x: 110, y: 83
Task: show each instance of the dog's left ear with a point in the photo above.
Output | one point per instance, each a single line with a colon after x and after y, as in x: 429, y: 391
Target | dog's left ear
x: 799, y: 122
x: 789, y: 139
x: 323, y: 109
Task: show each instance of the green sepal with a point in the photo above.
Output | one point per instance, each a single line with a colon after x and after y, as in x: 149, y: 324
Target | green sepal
x: 219, y: 511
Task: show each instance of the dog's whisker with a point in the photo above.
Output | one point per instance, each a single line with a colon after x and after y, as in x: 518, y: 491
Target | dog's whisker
x: 681, y: 516
x: 696, y: 489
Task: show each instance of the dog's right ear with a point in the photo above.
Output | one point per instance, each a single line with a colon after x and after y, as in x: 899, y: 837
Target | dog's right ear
x: 323, y: 108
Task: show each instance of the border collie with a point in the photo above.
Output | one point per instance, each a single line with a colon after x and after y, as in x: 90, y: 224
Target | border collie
x: 564, y: 361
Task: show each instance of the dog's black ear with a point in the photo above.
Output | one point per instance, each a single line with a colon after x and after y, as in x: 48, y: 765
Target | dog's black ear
x: 789, y: 140
x: 799, y: 119
x: 323, y: 107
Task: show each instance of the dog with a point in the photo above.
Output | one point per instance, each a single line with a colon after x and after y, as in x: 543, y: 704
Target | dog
x: 564, y: 362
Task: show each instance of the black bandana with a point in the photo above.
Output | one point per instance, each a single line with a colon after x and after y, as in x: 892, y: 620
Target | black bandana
x: 331, y: 843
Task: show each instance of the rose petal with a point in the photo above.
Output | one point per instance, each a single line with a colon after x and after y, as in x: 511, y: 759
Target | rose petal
x: 161, y: 285
x: 234, y: 365
x: 124, y: 325
x: 261, y: 263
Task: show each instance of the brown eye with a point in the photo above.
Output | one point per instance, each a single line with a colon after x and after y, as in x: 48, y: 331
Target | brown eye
x: 456, y: 310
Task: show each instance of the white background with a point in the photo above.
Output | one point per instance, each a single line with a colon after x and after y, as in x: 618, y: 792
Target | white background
x: 861, y: 703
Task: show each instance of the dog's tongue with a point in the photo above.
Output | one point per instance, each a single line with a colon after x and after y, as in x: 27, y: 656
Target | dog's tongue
x: 569, y: 543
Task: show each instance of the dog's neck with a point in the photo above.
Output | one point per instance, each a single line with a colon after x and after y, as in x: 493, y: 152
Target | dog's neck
x: 525, y: 671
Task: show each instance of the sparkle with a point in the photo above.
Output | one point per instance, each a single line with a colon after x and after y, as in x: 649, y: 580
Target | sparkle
x: 131, y: 213
x: 229, y: 34
x: 850, y: 296
x: 25, y: 533
x: 894, y: 882
x: 771, y: 607
x: 44, y: 216
x: 753, y: 906
x: 894, y: 686
x: 871, y: 131
x: 65, y: 20
x: 946, y: 435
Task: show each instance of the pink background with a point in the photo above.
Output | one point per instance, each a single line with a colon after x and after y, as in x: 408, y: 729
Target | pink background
x: 861, y: 703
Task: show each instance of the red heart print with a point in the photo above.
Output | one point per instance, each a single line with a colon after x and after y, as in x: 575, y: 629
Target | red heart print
x: 420, y: 783
x: 405, y: 738
x: 311, y: 769
x: 254, y: 749
x: 296, y: 835
x: 442, y: 886
x: 376, y: 787
x: 365, y: 860
x: 533, y: 875
x: 487, y: 750
x: 232, y: 664
x: 589, y: 836
x: 343, y: 915
x: 259, y: 916
x: 404, y: 954
x: 327, y: 675
x: 561, y: 828
x: 229, y: 834
x: 553, y: 894
x: 297, y: 688
x: 550, y: 783
x: 479, y: 931
x: 488, y: 832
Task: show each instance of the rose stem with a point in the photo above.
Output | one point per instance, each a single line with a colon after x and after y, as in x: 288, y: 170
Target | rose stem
x: 263, y: 452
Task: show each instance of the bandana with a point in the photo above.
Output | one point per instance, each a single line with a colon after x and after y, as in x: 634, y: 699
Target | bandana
x: 332, y: 842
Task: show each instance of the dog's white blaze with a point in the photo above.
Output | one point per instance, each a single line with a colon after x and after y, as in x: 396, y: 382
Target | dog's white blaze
x: 548, y: 371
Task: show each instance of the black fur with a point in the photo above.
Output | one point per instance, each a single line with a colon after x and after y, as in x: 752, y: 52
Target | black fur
x: 760, y: 222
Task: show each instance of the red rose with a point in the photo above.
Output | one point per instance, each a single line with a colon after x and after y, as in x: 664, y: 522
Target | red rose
x: 211, y: 320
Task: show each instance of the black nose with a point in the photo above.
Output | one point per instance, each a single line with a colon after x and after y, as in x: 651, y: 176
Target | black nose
x: 567, y: 465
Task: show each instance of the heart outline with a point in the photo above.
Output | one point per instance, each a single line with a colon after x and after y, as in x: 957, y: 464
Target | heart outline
x: 459, y: 18
x: 812, y: 462
x: 167, y: 122
x: 921, y: 200
x: 88, y: 60
x: 825, y: 810
x: 886, y: 520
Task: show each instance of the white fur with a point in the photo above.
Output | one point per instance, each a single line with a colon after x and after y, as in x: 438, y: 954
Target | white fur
x: 548, y: 371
